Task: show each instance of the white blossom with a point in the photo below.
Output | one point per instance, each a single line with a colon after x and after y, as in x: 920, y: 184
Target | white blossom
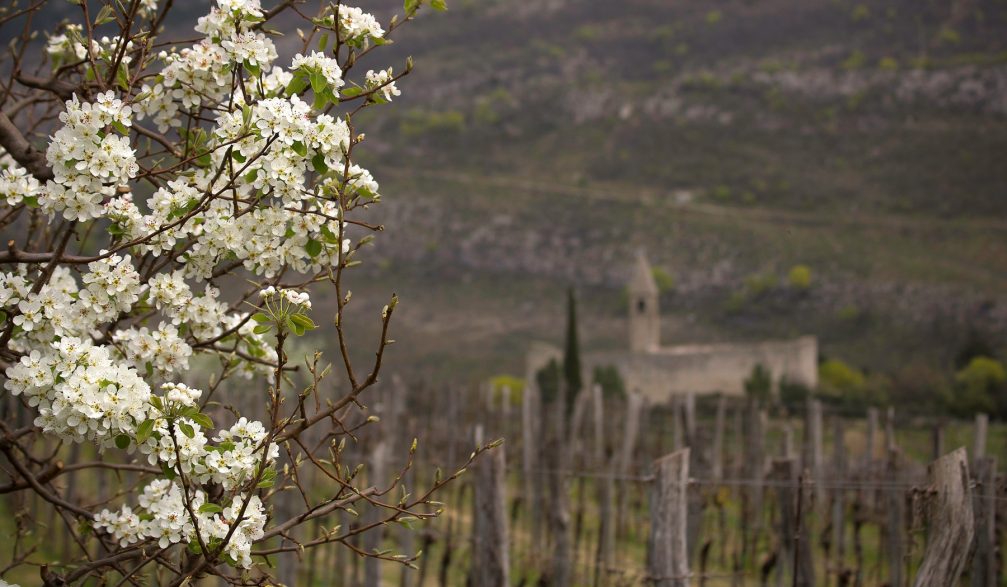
x: 355, y: 24
x: 318, y: 62
x: 382, y: 79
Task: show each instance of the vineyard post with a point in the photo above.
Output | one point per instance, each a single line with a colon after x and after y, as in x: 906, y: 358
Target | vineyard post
x: 950, y: 520
x: 490, y: 554
x: 979, y: 447
x: 984, y: 560
x: 839, y: 496
x: 668, y: 551
x: 717, y: 456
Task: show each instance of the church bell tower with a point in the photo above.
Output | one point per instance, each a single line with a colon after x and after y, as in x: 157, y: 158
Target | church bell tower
x: 644, y: 313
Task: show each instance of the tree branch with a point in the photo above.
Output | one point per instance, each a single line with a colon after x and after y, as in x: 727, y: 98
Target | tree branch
x: 22, y: 151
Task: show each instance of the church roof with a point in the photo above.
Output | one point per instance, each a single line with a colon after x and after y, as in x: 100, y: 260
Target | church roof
x: 642, y: 278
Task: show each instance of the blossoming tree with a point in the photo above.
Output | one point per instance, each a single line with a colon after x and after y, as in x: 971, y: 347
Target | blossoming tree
x: 138, y: 175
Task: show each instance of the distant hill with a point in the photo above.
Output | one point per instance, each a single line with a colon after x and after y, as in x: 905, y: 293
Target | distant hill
x: 539, y: 143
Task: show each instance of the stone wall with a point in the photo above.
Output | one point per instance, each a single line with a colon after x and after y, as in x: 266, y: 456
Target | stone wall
x: 699, y: 368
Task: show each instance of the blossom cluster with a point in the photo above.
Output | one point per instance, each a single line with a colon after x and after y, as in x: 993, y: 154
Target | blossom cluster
x: 290, y: 296
x: 89, y: 162
x: 382, y: 80
x: 80, y: 391
x: 16, y: 185
x: 317, y: 62
x: 162, y: 515
x: 110, y: 286
x: 355, y: 24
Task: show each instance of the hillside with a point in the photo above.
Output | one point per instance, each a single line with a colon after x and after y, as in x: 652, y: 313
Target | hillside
x: 538, y: 144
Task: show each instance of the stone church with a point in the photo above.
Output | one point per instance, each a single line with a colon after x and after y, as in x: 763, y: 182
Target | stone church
x: 657, y: 371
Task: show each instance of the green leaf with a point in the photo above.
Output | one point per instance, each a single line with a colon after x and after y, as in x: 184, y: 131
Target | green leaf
x: 320, y: 102
x: 313, y: 247
x: 411, y: 6
x: 186, y: 429
x: 261, y: 318
x: 203, y: 420
x: 303, y: 321
x: 268, y: 478
x: 261, y: 328
x: 323, y: 42
x: 294, y: 327
x: 299, y: 148
x: 122, y: 76
x: 252, y: 69
x: 144, y: 430
x: 168, y: 472
x: 297, y: 85
x: 120, y: 127
x: 440, y: 5
x: 318, y: 82
x: 210, y: 508
x: 122, y: 441
x: 318, y: 162
x: 105, y: 15
x: 352, y: 91
x: 330, y: 237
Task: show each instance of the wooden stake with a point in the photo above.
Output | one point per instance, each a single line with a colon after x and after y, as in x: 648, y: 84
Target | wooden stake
x: 952, y: 526
x: 668, y: 556
x: 490, y: 552
x: 984, y: 560
x: 979, y: 448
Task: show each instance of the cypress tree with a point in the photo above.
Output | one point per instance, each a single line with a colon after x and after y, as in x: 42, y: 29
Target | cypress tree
x: 571, y: 353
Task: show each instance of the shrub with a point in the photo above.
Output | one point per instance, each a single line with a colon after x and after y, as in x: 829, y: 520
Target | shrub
x: 949, y: 36
x: 665, y: 282
x: 888, y: 64
x: 844, y: 385
x: 837, y: 377
x: 979, y: 387
x: 420, y: 123
x: 759, y: 283
x: 514, y: 384
x: 855, y: 61
x: 610, y: 380
x: 793, y: 395
x: 759, y: 384
x: 799, y: 277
